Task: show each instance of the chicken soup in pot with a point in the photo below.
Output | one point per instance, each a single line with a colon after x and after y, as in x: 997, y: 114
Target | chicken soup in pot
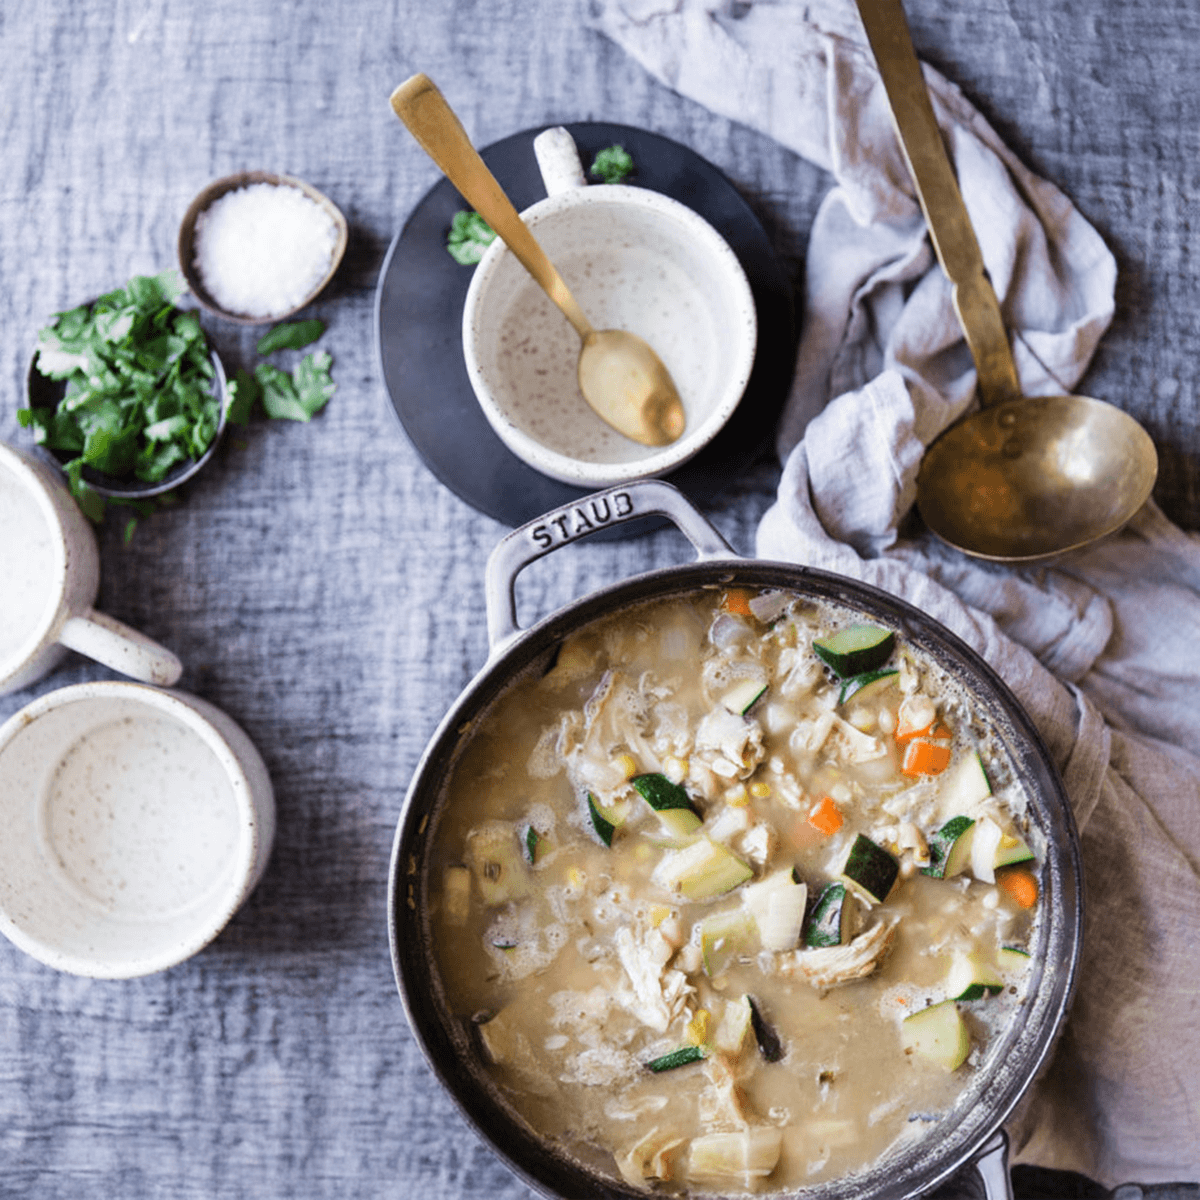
x: 741, y: 891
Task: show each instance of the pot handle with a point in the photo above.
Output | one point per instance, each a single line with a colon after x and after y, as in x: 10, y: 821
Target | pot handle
x: 562, y: 526
x: 992, y: 1165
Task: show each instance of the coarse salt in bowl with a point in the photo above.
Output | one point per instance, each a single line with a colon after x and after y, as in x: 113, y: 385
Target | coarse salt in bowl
x: 257, y: 247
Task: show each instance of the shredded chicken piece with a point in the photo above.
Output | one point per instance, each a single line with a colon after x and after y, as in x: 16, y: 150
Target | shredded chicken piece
x: 658, y: 995
x: 615, y: 715
x: 650, y: 1158
x: 854, y: 745
x: 832, y: 965
x: 909, y: 837
x: 724, y: 737
x: 759, y: 842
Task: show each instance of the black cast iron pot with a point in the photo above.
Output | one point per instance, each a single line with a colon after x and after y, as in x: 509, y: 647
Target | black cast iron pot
x: 973, y: 1130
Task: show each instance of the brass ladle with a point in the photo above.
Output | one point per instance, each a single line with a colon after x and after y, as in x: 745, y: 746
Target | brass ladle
x: 620, y: 376
x: 1027, y: 477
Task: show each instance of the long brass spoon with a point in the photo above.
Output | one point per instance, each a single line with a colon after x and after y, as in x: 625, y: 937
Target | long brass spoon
x: 1027, y: 477
x: 620, y: 376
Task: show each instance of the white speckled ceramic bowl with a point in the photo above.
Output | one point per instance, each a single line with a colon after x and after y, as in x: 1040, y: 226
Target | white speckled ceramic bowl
x: 635, y: 260
x: 51, y: 574
x: 136, y: 822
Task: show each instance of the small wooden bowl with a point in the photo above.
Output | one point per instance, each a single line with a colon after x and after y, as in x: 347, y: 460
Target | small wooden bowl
x: 213, y: 192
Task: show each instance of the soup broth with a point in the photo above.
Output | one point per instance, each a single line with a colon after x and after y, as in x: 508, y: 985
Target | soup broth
x: 740, y: 891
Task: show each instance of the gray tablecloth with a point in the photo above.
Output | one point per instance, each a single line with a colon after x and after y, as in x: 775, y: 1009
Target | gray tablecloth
x: 326, y: 591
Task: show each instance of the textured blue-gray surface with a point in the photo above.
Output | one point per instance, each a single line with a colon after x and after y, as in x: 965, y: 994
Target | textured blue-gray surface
x: 326, y: 591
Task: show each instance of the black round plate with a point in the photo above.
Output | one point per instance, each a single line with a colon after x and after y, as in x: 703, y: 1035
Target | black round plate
x: 418, y: 319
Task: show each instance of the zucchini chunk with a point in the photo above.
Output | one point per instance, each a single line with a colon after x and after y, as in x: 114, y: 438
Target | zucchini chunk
x: 939, y: 1034
x: 855, y: 650
x: 600, y: 823
x: 1012, y: 850
x: 868, y: 684
x: 965, y: 785
x: 972, y: 979
x: 702, y: 870
x: 531, y: 840
x: 1013, y: 961
x: 769, y: 1045
x: 660, y: 793
x: 870, y: 870
x: 743, y: 697
x: 723, y: 937
x: 677, y: 1058
x: 496, y: 860
x: 950, y: 848
x: 777, y: 906
x: 830, y: 922
x: 678, y: 825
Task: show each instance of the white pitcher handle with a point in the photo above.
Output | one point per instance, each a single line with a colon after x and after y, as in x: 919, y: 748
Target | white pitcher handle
x: 558, y: 161
x: 115, y: 645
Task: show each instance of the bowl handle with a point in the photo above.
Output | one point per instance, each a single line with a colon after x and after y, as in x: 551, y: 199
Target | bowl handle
x: 558, y: 161
x: 992, y: 1165
x: 113, y: 643
x: 562, y: 526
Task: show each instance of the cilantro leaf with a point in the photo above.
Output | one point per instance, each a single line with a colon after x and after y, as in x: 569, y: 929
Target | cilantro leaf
x: 292, y: 336
x: 139, y: 397
x: 301, y: 395
x: 244, y: 392
x: 279, y: 397
x: 313, y: 383
x: 470, y: 235
x: 612, y: 164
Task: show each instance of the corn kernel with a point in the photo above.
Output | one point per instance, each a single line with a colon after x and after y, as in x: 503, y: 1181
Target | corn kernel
x: 658, y: 914
x: 575, y: 877
x: 760, y: 789
x: 697, y: 1030
x: 737, y: 796
x: 626, y: 765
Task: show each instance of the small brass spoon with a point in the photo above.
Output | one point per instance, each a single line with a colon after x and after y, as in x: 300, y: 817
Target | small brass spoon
x: 1027, y: 477
x: 620, y: 376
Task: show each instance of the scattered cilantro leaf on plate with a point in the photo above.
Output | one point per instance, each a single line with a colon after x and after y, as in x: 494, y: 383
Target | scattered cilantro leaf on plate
x: 470, y: 235
x: 294, y: 335
x: 612, y: 164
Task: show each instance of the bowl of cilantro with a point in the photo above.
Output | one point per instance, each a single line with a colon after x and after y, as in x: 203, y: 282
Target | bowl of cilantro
x: 126, y: 394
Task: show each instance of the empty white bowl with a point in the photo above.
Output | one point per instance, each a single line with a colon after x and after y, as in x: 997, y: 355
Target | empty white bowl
x: 136, y: 822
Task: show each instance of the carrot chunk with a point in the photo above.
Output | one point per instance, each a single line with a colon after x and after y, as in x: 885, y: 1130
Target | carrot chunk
x: 825, y: 816
x: 1019, y: 885
x: 923, y: 756
x: 737, y: 601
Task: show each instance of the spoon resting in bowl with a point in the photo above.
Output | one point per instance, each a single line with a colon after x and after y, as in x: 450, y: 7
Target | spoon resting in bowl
x: 1027, y: 477
x: 620, y: 376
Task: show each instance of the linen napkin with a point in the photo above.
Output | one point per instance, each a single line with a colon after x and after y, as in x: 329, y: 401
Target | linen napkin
x: 1103, y: 647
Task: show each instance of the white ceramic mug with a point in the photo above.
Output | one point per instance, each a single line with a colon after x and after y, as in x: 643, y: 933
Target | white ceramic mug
x: 49, y: 578
x: 136, y: 822
x: 635, y: 260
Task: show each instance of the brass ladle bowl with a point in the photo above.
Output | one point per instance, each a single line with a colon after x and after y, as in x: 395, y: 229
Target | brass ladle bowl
x: 1026, y: 477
